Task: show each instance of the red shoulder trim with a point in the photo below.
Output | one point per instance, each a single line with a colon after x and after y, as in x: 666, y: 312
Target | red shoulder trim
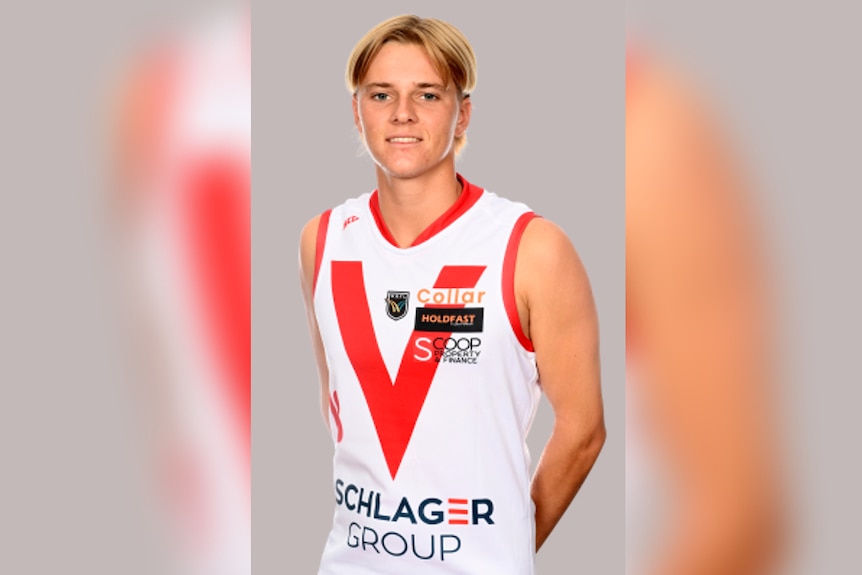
x: 470, y: 194
x: 322, y: 227
x: 509, y: 301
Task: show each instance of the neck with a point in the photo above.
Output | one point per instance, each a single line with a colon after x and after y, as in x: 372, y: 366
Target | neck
x: 409, y: 205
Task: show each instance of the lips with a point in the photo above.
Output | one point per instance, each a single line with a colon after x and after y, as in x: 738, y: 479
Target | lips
x: 403, y: 140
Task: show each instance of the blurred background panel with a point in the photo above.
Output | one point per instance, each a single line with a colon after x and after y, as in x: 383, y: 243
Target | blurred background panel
x: 704, y: 488
x: 778, y: 88
x: 126, y: 335
x: 181, y: 198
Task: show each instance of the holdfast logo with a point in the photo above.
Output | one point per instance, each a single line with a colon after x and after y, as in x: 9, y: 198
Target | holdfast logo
x: 449, y: 319
x: 429, y: 511
x: 397, y: 303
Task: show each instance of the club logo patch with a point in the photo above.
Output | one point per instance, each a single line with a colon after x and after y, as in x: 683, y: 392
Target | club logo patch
x: 397, y: 303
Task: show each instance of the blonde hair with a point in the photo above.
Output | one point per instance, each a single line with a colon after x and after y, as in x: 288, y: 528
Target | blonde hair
x: 448, y: 49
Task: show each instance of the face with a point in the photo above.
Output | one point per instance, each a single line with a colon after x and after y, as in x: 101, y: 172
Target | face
x: 406, y: 116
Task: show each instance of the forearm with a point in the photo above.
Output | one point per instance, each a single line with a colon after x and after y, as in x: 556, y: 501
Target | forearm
x: 563, y: 466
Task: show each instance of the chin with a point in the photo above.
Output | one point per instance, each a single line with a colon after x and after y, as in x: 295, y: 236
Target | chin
x: 403, y: 172
x: 408, y: 170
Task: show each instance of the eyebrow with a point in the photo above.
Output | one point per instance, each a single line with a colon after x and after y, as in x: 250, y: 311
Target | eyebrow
x: 433, y: 85
x: 421, y: 85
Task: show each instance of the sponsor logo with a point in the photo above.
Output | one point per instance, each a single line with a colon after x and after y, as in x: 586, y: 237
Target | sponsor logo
x: 397, y: 303
x: 391, y: 540
x: 428, y: 511
x: 349, y: 221
x: 427, y: 547
x: 448, y: 349
x: 449, y: 319
x: 450, y: 296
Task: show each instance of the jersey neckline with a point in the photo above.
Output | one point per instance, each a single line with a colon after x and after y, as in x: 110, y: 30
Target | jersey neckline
x: 470, y: 194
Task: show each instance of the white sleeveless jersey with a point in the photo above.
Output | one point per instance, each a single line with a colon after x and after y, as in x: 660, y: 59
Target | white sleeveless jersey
x: 433, y: 388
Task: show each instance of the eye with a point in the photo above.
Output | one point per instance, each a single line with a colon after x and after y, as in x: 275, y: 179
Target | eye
x: 379, y: 96
x: 428, y: 97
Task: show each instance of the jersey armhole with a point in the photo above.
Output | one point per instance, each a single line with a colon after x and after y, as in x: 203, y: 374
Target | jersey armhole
x: 509, y: 260
x: 320, y: 244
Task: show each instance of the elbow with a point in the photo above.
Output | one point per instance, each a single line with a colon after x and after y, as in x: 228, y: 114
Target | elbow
x: 596, y: 440
x: 588, y: 442
x: 578, y: 437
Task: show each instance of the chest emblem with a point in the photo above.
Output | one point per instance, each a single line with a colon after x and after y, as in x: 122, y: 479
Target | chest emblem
x: 397, y: 303
x: 394, y: 406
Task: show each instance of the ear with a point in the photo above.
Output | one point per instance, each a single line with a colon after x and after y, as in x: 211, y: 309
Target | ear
x: 356, y: 121
x: 465, y: 108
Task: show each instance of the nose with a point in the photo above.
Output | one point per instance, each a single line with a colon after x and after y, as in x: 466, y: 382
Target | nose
x: 403, y: 111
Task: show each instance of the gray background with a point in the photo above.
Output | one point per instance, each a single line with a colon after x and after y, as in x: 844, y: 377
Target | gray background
x: 546, y: 129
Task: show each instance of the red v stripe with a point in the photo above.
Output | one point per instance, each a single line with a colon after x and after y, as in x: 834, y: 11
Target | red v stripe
x: 394, y: 407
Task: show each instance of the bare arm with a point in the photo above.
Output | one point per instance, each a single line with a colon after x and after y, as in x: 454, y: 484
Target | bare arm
x: 307, y: 250
x: 557, y: 312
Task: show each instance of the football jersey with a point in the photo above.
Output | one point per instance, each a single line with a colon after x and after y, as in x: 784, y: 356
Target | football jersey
x: 433, y: 388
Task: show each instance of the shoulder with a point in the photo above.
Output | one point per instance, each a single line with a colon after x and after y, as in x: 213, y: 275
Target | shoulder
x: 320, y: 222
x: 551, y: 283
x: 544, y: 245
x: 308, y: 236
x: 549, y: 270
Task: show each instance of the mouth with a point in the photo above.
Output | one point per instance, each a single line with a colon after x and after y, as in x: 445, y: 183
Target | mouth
x: 403, y: 140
